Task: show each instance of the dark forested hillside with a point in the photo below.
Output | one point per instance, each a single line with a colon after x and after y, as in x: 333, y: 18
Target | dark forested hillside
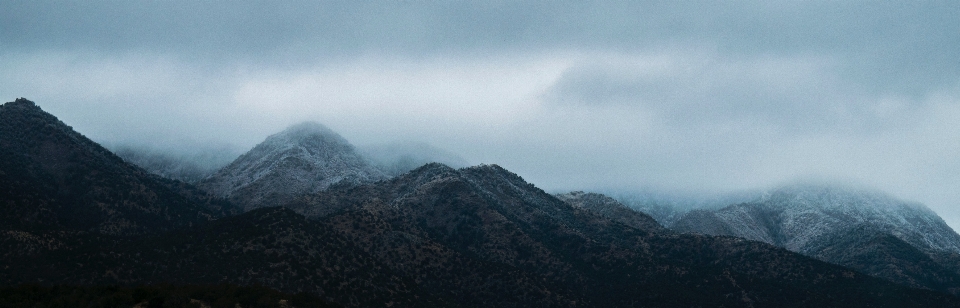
x: 53, y: 178
x: 273, y: 247
x: 161, y: 296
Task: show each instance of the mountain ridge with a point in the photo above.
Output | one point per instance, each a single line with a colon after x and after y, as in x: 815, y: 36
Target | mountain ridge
x: 611, y: 209
x: 433, y: 237
x: 832, y: 223
x: 490, y: 214
x: 795, y: 215
x: 53, y: 176
x: 304, y: 158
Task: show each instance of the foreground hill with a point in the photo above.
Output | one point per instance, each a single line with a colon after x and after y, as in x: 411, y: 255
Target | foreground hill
x: 222, y: 295
x: 865, y: 230
x: 475, y: 237
x: 272, y: 247
x: 304, y: 158
x: 53, y: 178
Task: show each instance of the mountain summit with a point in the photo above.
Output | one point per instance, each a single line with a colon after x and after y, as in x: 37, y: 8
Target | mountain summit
x: 304, y: 158
x: 52, y: 177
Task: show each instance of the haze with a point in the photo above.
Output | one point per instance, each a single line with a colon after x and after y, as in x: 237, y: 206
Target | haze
x: 688, y: 96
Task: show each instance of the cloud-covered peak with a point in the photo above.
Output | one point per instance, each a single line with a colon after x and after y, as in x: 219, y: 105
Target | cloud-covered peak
x: 308, y: 129
x: 692, y: 95
x: 305, y: 158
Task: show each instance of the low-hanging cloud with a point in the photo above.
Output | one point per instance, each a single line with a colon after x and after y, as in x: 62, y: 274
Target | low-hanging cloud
x: 792, y: 94
x: 688, y: 96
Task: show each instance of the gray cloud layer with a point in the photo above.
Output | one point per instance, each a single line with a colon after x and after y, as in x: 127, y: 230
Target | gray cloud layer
x: 690, y: 95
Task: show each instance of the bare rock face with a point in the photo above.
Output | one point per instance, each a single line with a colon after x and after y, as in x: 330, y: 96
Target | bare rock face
x: 304, y: 158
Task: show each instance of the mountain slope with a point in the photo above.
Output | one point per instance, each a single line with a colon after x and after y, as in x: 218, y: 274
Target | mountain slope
x: 304, y: 158
x: 433, y: 237
x: 881, y: 254
x: 222, y: 295
x: 190, y: 166
x: 491, y: 216
x: 610, y: 209
x: 53, y: 178
x: 272, y: 247
x: 833, y: 224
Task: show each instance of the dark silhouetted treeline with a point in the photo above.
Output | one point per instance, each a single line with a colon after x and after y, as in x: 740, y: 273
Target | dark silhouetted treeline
x: 155, y: 296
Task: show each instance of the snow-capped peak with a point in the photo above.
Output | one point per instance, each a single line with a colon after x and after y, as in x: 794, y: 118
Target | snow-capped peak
x: 304, y: 158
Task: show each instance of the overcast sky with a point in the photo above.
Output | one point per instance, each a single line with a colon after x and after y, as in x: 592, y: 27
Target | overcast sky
x: 687, y: 96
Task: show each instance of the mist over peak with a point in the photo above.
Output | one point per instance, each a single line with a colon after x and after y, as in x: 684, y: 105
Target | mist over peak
x: 307, y: 129
x: 22, y: 102
x: 698, y: 97
x: 315, y: 213
x: 304, y: 158
x: 697, y: 113
x: 188, y: 164
x: 823, y: 189
x: 396, y: 158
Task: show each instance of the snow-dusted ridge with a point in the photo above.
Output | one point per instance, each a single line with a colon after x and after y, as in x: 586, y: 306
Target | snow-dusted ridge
x: 867, y: 230
x: 796, y: 216
x: 304, y: 158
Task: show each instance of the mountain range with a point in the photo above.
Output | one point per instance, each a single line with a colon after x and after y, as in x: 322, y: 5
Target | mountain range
x: 192, y: 162
x: 859, y: 228
x: 312, y: 216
